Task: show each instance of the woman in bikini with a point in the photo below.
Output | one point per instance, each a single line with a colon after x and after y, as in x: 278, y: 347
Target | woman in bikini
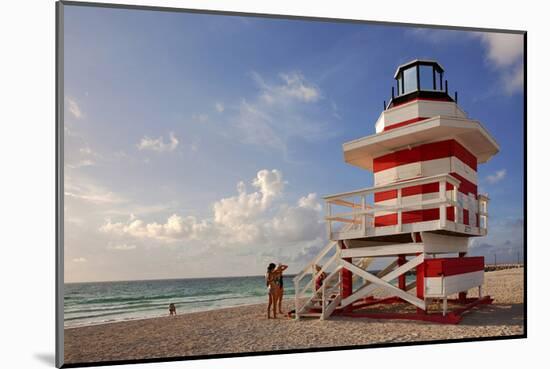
x: 282, y: 289
x: 273, y: 283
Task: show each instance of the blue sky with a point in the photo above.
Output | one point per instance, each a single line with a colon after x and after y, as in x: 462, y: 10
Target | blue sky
x: 201, y: 145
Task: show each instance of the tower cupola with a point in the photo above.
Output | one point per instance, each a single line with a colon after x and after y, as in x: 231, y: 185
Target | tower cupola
x: 419, y: 79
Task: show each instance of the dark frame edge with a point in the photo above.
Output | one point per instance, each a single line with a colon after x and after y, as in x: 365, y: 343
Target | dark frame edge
x: 525, y: 164
x: 59, y: 186
x: 281, y: 16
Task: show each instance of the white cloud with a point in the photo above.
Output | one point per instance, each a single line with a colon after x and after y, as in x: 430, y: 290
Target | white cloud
x: 158, y: 144
x: 297, y: 223
x: 496, y: 177
x: 294, y: 87
x: 505, y: 55
x: 79, y: 260
x: 85, y: 150
x: 247, y: 220
x: 282, y: 111
x: 81, y: 163
x: 74, y: 108
x: 310, y: 202
x: 219, y: 107
x: 513, y: 79
x: 297, y: 87
x: 175, y: 228
x: 90, y: 192
x: 503, y: 49
x: 236, y: 210
x: 503, y: 52
x: 435, y: 36
x: 121, y: 247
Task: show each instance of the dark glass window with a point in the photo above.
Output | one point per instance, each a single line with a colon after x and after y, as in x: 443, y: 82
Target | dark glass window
x: 439, y: 81
x: 426, y: 77
x: 409, y: 79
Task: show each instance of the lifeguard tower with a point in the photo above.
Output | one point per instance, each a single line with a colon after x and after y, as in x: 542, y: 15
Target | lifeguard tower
x: 419, y: 216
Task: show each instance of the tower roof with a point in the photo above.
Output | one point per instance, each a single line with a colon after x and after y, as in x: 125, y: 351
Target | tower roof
x: 414, y: 62
x: 419, y: 78
x: 470, y: 133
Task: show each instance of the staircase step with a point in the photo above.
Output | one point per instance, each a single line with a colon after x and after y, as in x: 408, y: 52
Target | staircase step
x: 320, y: 299
x: 310, y: 315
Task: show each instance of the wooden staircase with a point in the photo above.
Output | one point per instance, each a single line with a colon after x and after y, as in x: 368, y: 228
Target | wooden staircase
x: 312, y: 302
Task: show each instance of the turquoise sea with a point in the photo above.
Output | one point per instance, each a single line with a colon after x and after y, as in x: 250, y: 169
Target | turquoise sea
x: 102, y: 302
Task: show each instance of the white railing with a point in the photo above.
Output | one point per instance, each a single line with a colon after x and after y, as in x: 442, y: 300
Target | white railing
x: 310, y: 269
x: 358, y: 214
x: 330, y: 293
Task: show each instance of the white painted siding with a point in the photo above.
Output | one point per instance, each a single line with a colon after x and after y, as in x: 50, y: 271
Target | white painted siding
x: 441, y: 287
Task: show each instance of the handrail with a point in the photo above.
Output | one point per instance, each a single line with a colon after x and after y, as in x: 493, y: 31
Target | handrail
x: 393, y: 186
x: 299, y: 293
x: 318, y: 274
x: 326, y: 310
x: 319, y: 256
x: 393, y: 208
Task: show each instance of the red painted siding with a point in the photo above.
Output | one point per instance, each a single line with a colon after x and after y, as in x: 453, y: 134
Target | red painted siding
x: 404, y: 123
x: 465, y: 216
x: 453, y: 266
x: 429, y: 151
x: 414, y: 216
x: 410, y: 191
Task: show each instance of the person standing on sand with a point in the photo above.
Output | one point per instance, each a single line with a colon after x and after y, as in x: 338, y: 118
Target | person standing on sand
x: 272, y: 280
x: 172, y: 309
x: 281, y: 288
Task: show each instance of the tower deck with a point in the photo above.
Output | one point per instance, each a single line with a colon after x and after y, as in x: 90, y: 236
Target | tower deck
x: 430, y: 212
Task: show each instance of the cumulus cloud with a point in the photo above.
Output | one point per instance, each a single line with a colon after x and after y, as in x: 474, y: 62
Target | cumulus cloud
x: 505, y: 53
x: 158, y: 144
x: 297, y: 223
x: 219, y: 107
x: 248, y: 219
x: 74, y: 108
x: 503, y: 49
x: 236, y: 209
x: 496, y: 177
x: 175, y: 228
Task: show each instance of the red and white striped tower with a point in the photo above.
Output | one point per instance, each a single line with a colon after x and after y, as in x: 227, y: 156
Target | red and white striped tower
x: 421, y: 212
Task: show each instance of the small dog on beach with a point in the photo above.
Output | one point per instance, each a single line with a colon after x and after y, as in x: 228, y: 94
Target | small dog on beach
x: 172, y: 309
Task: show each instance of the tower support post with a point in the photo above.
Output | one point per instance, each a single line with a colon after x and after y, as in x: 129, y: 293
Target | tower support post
x: 346, y: 276
x: 420, y: 285
x: 462, y: 295
x: 402, y: 282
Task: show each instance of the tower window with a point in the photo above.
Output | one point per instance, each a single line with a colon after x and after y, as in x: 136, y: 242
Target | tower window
x: 409, y: 80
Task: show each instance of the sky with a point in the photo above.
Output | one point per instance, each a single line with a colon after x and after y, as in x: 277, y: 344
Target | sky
x: 202, y: 145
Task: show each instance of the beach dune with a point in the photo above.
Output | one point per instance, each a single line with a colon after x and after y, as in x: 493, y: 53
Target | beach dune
x: 246, y: 329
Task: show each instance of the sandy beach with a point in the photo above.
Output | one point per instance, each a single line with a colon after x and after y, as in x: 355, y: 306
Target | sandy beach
x: 246, y: 329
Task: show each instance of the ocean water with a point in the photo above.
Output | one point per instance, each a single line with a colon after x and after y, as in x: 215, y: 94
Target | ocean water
x: 102, y: 302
